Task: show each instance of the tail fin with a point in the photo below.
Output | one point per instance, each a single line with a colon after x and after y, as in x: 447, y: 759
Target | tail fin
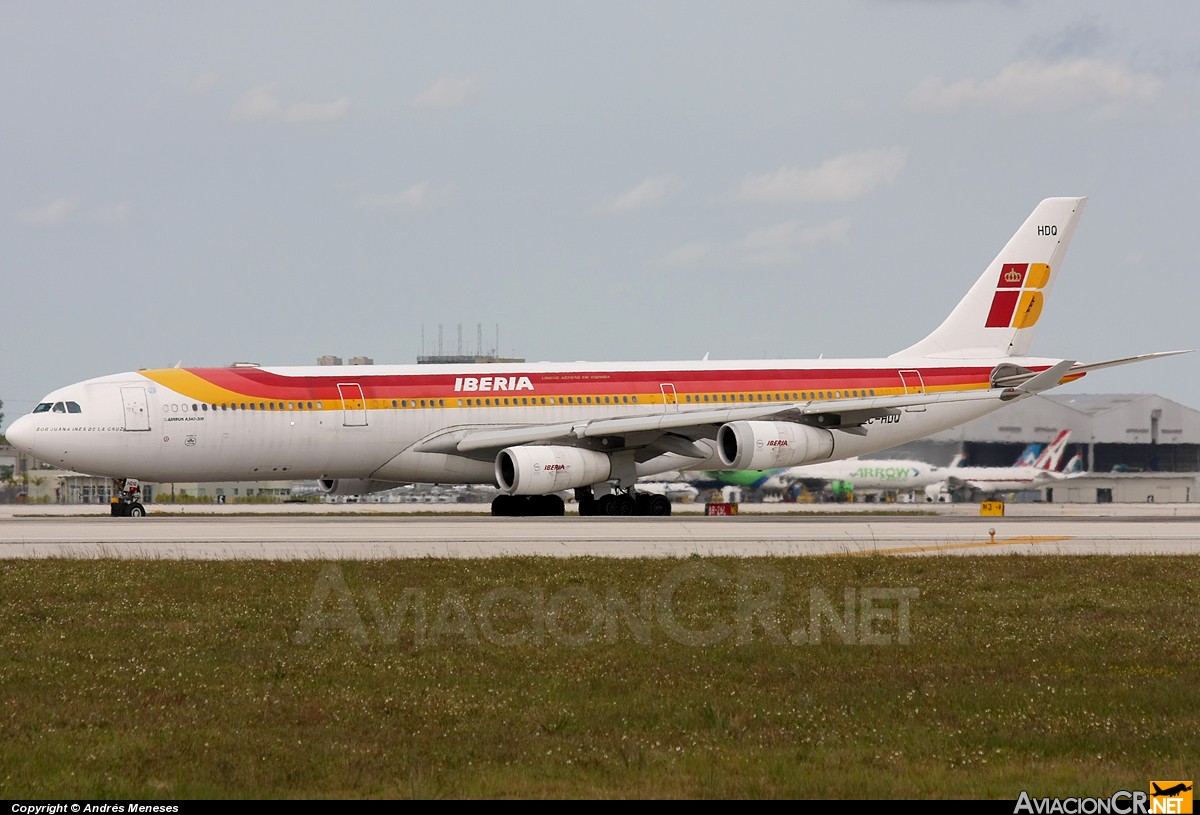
x: 997, y: 316
x: 1074, y: 465
x: 1028, y: 456
x: 1051, y: 457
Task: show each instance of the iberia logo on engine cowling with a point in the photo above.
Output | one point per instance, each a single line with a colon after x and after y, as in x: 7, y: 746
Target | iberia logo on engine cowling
x: 1018, y: 299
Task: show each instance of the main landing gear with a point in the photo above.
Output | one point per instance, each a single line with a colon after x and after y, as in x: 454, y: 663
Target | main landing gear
x: 125, y: 503
x: 524, y: 505
x: 626, y: 502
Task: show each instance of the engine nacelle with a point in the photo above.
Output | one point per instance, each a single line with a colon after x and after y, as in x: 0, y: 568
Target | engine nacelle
x: 771, y: 445
x: 541, y: 469
x: 352, y: 486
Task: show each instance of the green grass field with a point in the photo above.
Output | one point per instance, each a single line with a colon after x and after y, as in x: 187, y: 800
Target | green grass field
x: 943, y: 677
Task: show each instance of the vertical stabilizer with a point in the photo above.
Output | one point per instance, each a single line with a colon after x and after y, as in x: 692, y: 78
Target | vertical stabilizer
x: 997, y: 316
x: 1052, y: 455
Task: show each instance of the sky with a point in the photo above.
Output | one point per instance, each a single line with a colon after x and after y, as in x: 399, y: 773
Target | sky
x: 270, y: 182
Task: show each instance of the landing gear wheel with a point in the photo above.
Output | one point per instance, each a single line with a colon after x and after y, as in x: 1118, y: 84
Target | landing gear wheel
x: 603, y: 505
x: 135, y: 510
x: 659, y: 506
x: 621, y: 505
x: 551, y: 505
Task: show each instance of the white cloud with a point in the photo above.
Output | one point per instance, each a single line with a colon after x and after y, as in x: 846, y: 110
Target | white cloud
x: 416, y: 197
x: 317, y: 111
x: 1035, y: 86
x: 771, y: 245
x: 447, y: 93
x: 55, y: 212
x: 262, y: 103
x: 66, y: 209
x: 688, y: 254
x: 842, y: 178
x: 650, y: 192
x: 203, y: 83
x: 116, y: 214
x: 784, y: 243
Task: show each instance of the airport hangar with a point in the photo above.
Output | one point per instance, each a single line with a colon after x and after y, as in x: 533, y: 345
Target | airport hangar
x: 1135, y: 447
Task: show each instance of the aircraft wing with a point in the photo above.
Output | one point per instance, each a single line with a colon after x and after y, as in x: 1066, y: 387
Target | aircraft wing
x: 676, y: 431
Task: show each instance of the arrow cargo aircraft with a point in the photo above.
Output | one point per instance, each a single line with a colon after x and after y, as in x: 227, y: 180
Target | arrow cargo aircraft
x: 536, y: 430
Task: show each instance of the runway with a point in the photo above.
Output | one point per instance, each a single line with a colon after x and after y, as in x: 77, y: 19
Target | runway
x: 365, y: 536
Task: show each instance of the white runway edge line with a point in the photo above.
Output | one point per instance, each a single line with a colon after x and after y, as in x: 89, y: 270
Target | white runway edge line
x: 278, y: 538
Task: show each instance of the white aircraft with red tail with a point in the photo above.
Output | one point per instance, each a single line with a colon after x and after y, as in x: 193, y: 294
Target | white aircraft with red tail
x: 537, y: 429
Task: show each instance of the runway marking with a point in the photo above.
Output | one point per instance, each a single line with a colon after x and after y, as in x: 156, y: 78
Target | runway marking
x: 912, y: 550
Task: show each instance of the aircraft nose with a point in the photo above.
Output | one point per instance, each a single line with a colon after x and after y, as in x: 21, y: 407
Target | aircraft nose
x: 20, y: 434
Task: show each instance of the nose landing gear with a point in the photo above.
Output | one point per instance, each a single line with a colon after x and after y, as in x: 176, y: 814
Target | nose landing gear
x: 125, y: 502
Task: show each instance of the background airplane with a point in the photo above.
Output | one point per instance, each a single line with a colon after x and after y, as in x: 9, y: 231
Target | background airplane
x: 857, y: 475
x: 989, y: 480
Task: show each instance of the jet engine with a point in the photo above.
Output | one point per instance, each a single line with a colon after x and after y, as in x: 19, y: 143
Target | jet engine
x: 351, y: 486
x: 541, y: 469
x: 771, y: 445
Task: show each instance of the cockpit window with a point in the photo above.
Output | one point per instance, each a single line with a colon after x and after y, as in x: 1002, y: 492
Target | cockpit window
x: 58, y: 407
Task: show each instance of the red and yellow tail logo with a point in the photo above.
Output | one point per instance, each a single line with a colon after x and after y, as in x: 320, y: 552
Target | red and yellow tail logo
x: 1171, y: 797
x: 1018, y: 299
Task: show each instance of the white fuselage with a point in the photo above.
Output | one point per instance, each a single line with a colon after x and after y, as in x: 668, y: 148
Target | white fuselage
x: 400, y: 423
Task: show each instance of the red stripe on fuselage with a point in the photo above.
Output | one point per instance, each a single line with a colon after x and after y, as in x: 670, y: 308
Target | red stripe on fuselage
x: 263, y: 384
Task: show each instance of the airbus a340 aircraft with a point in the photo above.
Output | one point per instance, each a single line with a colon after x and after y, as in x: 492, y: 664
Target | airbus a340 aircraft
x: 537, y: 429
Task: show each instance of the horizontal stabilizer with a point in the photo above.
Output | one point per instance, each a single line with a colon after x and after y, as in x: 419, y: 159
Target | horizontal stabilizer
x: 1112, y: 363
